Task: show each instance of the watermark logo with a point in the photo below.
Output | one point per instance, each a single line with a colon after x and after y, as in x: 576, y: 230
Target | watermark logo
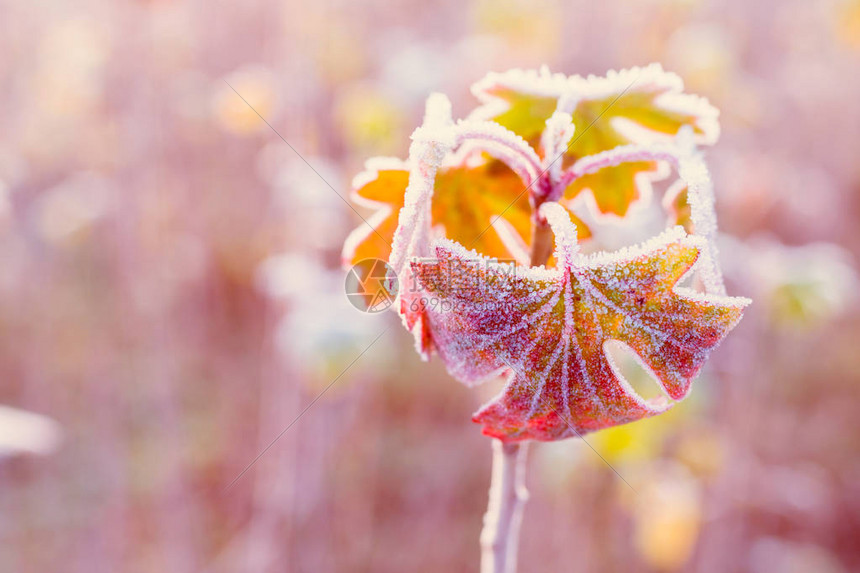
x: 371, y: 285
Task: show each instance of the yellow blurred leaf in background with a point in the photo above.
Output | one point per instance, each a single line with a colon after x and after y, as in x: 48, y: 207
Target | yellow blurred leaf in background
x: 256, y: 86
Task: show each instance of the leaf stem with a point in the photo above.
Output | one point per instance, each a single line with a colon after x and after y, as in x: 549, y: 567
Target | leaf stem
x: 542, y: 243
x: 508, y: 495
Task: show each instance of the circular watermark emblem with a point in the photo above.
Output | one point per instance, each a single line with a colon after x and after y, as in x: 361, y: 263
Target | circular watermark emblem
x: 371, y: 285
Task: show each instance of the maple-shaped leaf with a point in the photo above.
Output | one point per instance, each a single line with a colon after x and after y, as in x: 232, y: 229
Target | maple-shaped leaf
x: 477, y: 201
x: 480, y: 190
x: 631, y: 106
x: 549, y: 329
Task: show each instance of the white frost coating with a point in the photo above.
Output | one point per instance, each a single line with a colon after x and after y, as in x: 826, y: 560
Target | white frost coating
x: 570, y: 91
x: 555, y: 141
x: 676, y: 234
x: 437, y: 110
x: 630, y: 153
x: 615, y: 81
x: 431, y: 143
x: 700, y: 196
x: 644, y: 182
x: 539, y: 83
x: 502, y: 144
x: 568, y: 101
x: 565, y: 232
x: 372, y: 167
x: 649, y: 79
x: 672, y: 192
x: 692, y: 104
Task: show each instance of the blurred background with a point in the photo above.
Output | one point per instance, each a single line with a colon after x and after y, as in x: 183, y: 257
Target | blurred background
x: 171, y: 297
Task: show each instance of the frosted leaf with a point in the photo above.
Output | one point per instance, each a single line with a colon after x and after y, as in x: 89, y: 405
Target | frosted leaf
x: 415, y: 227
x: 473, y: 177
x: 670, y: 97
x: 526, y: 98
x: 616, y: 156
x: 548, y: 329
x: 523, y: 105
x: 694, y: 180
x: 492, y: 91
x: 385, y: 183
x: 638, y: 105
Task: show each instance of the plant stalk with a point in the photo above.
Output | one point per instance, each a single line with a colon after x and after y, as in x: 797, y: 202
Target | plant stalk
x: 508, y: 495
x: 542, y: 243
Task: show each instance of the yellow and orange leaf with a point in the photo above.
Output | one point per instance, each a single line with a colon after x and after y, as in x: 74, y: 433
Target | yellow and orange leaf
x: 630, y: 106
x: 476, y: 201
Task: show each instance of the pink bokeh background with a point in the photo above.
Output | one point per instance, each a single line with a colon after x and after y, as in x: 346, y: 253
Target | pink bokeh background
x: 171, y: 297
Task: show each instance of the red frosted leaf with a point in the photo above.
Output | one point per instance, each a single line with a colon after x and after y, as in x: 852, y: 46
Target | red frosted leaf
x: 548, y: 328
